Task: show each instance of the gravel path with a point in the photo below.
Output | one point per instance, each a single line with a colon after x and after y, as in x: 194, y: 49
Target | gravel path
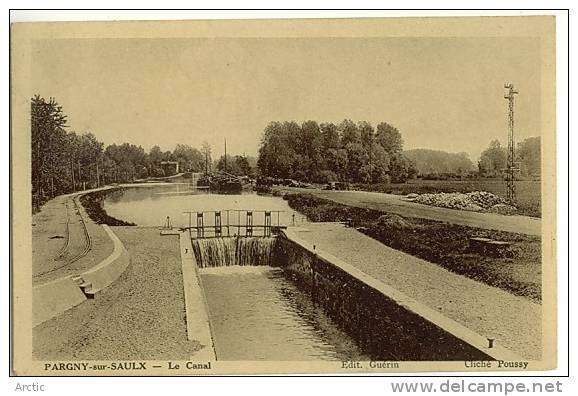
x: 514, y: 322
x: 140, y: 316
x: 394, y: 204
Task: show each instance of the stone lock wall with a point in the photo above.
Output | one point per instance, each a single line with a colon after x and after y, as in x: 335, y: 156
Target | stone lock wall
x: 383, y: 326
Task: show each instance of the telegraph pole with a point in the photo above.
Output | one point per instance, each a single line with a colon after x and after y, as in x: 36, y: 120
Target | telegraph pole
x: 510, y: 169
x: 225, y: 155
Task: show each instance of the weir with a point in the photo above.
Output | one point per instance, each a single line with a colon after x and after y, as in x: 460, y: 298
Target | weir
x: 225, y: 252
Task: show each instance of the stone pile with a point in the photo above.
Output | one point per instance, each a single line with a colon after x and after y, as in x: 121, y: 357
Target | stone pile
x: 476, y: 201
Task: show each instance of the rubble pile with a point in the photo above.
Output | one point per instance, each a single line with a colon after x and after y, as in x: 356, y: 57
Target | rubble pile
x: 476, y: 201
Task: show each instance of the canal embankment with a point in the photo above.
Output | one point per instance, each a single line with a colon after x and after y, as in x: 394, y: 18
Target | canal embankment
x: 141, y: 317
x: 65, y: 241
x: 391, y: 203
x: 73, y: 256
x: 419, y: 309
x: 517, y: 270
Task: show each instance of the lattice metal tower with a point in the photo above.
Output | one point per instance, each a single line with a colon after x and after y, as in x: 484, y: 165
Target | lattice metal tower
x: 510, y: 167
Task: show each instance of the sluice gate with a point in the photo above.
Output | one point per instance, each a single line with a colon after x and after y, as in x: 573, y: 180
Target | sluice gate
x: 233, y: 237
x: 234, y: 223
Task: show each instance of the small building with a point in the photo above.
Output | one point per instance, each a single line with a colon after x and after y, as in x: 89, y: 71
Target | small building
x: 170, y: 167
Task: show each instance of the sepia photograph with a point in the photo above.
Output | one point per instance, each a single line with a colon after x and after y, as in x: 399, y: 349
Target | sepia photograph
x: 289, y: 196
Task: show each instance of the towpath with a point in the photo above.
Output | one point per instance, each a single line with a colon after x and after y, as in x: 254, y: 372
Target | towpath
x: 65, y: 241
x: 514, y: 322
x: 142, y: 316
x: 394, y: 204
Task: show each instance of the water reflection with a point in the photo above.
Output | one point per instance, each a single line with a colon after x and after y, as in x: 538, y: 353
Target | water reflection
x: 257, y: 313
x: 150, y: 205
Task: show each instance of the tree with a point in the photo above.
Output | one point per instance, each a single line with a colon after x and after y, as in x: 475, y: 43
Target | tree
x: 337, y: 161
x: 389, y: 138
x: 379, y: 169
x: 401, y: 169
x: 48, y: 148
x: 244, y: 165
x: 309, y: 144
x: 492, y: 160
x: 357, y: 159
x: 155, y: 156
x: 206, y: 152
x: 330, y: 136
x: 276, y: 153
x: 189, y: 159
x: 349, y: 133
x: 529, y: 154
x: 366, y: 134
x: 436, y: 162
x: 129, y: 161
x: 323, y: 152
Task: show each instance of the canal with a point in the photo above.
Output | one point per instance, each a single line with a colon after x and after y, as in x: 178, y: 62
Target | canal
x: 150, y: 205
x: 256, y: 312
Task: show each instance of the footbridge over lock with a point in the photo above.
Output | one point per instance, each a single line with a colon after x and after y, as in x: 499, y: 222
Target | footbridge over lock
x: 234, y: 223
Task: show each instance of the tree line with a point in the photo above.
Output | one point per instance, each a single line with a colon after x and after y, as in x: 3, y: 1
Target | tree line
x: 64, y: 161
x: 527, y: 159
x: 324, y: 152
x: 435, y: 164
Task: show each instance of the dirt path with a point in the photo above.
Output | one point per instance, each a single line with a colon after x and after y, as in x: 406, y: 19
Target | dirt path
x: 394, y: 204
x: 512, y: 321
x: 141, y: 316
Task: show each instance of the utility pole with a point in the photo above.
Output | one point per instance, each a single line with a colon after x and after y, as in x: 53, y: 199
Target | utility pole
x: 225, y: 155
x: 510, y: 169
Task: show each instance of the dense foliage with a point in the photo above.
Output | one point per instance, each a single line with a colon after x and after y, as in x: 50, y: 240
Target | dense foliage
x: 64, y: 161
x: 436, y: 162
x: 350, y: 152
x: 527, y: 159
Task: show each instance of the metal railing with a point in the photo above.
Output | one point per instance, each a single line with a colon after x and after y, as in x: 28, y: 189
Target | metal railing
x: 222, y: 226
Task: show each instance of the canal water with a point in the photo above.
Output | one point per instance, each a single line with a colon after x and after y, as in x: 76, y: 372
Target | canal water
x: 150, y: 205
x: 256, y: 312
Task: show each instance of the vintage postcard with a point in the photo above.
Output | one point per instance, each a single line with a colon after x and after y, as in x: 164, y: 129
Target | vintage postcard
x: 311, y: 196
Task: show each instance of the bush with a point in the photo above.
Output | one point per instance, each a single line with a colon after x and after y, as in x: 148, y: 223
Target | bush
x: 158, y: 172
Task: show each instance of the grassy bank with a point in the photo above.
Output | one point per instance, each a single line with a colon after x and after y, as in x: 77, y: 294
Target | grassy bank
x: 447, y: 245
x: 92, y: 203
x: 528, y: 193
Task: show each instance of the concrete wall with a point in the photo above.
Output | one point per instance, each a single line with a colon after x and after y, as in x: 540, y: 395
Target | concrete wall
x: 53, y: 298
x: 388, y: 324
x: 103, y: 274
x: 196, y: 308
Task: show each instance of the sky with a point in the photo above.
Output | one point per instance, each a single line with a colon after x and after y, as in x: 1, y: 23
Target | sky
x: 441, y: 93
